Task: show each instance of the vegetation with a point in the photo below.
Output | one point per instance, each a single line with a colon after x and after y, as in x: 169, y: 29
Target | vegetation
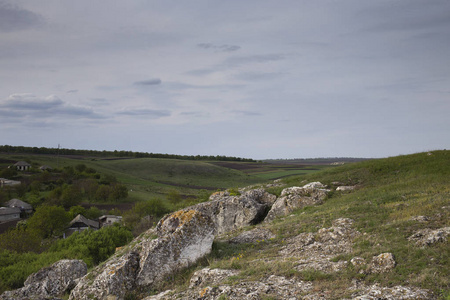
x: 92, y: 153
x: 92, y: 247
x: 390, y: 192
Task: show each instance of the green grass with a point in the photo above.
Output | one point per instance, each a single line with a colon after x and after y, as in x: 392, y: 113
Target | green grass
x: 390, y: 192
x: 155, y: 177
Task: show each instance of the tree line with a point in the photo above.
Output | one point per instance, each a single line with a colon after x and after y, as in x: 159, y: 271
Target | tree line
x: 103, y: 154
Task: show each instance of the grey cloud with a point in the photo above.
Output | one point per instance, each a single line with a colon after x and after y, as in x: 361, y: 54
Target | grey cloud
x: 152, y: 113
x: 219, y: 48
x: 9, y: 114
x: 78, y: 111
x: 99, y: 101
x: 429, y: 15
x: 154, y: 81
x: 255, y: 76
x: 72, y: 91
x: 184, y: 86
x: 51, y: 106
x: 30, y: 102
x: 13, y: 18
x: 246, y: 112
x: 262, y: 58
x: 201, y: 72
x: 196, y: 114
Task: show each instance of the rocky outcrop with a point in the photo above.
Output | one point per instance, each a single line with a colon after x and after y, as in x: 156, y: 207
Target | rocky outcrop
x: 232, y: 212
x: 109, y: 281
x: 375, y: 292
x: 50, y: 282
x: 183, y: 237
x: 209, y: 276
x: 315, y: 251
x: 297, y: 197
x: 253, y: 236
x: 272, y: 287
x: 426, y: 237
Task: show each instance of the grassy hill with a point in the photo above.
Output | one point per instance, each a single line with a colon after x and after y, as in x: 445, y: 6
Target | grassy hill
x: 391, y: 194
x: 394, y: 198
x: 156, y: 177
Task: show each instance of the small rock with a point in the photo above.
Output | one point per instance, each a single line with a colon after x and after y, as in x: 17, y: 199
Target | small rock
x: 345, y: 188
x: 210, y: 276
x: 357, y: 261
x: 382, y: 263
x: 422, y: 219
x: 314, y: 185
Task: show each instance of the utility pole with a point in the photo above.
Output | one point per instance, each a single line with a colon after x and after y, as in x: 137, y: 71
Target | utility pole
x: 57, y: 158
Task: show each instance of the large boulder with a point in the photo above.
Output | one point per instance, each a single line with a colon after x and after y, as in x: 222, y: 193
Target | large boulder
x: 109, y: 281
x: 232, y: 212
x: 50, y: 282
x: 182, y: 238
x: 297, y: 197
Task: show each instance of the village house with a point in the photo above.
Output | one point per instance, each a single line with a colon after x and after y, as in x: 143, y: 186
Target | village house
x: 108, y: 220
x: 24, y: 207
x: 45, y: 168
x: 9, y: 214
x: 80, y: 223
x: 22, y: 166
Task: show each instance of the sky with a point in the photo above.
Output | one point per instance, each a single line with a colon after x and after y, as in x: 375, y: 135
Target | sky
x: 256, y: 79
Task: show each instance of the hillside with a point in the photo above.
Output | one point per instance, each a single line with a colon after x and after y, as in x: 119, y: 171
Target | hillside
x: 151, y: 177
x: 394, y: 200
x: 383, y: 237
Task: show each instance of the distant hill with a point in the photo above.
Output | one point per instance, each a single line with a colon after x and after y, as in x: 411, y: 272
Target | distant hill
x: 316, y: 161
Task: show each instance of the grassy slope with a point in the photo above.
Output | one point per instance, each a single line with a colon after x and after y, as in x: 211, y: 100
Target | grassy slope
x: 153, y: 177
x: 391, y: 191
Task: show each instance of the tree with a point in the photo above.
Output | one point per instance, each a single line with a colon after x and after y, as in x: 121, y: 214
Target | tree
x: 88, y: 187
x: 49, y: 221
x: 103, y: 193
x: 119, y: 192
x: 8, y: 173
x: 71, y: 196
x: 80, y: 168
x: 93, y: 213
x: 20, y: 240
x: 77, y: 210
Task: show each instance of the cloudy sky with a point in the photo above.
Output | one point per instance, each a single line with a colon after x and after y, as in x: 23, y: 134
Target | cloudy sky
x: 255, y: 78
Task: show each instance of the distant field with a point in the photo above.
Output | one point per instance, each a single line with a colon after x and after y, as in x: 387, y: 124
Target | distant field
x: 271, y: 171
x: 156, y: 177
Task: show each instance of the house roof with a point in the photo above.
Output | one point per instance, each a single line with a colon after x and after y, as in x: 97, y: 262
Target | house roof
x: 9, y: 210
x: 18, y: 203
x: 82, y: 219
x: 22, y: 163
x: 110, y: 217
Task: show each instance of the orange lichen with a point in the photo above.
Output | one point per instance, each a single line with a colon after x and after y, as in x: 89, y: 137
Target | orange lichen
x: 204, y: 291
x: 184, y: 216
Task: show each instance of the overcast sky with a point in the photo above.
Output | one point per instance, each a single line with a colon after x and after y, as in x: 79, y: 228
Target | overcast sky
x: 254, y: 78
